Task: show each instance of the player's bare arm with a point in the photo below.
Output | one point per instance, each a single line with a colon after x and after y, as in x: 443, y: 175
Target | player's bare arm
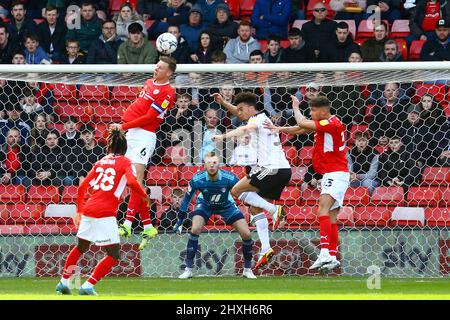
x: 230, y: 107
x: 289, y: 130
x: 82, y: 189
x: 302, y: 121
x: 236, y: 132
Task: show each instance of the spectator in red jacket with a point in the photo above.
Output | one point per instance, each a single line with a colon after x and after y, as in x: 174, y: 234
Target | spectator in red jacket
x: 14, y: 160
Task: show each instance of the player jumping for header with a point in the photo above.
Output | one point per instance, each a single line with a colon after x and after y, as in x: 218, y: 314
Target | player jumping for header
x: 214, y: 185
x: 268, y: 179
x: 142, y: 118
x: 329, y: 160
x: 97, y: 219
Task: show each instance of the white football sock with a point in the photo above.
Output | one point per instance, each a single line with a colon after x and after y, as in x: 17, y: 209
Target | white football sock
x: 262, y: 227
x: 325, y: 252
x: 148, y: 226
x: 87, y: 285
x: 65, y: 282
x: 253, y: 199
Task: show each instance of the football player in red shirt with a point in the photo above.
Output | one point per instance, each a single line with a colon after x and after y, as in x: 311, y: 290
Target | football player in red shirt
x: 97, y: 219
x: 142, y: 119
x: 329, y: 160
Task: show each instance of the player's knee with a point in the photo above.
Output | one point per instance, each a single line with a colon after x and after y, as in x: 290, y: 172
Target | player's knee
x: 113, y: 251
x: 235, y: 192
x: 245, y: 235
x: 196, y: 229
x: 323, y: 211
x: 83, y: 245
x: 255, y: 211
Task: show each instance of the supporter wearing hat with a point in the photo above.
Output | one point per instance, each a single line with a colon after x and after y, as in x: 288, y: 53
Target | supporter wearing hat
x: 223, y: 27
x: 137, y: 49
x: 191, y: 30
x: 209, y: 9
x: 437, y: 49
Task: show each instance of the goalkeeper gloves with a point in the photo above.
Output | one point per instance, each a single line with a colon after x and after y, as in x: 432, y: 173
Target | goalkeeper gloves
x: 179, y: 225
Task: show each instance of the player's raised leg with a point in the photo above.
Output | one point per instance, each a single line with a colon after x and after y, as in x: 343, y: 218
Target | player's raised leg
x: 101, y: 270
x: 241, y: 226
x: 71, y: 265
x: 198, y: 221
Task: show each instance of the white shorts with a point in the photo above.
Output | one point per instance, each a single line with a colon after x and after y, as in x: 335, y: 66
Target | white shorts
x: 140, y: 145
x: 336, y: 184
x: 101, y: 231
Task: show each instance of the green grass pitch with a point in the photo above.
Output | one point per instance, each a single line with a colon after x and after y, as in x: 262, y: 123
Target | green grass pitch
x: 235, y: 288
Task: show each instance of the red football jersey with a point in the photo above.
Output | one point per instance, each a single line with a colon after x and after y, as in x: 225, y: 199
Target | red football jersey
x: 106, y: 182
x: 329, y: 146
x: 154, y: 101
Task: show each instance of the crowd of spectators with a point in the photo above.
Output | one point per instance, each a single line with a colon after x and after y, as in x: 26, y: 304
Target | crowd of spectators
x: 404, y: 134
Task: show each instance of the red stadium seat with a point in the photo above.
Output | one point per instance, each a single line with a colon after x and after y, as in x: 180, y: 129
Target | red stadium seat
x: 93, y: 93
x: 11, y: 193
x: 366, y: 27
x: 400, y: 29
x: 438, y: 91
x: 345, y: 216
x: 43, y: 194
x: 234, y: 8
x: 415, y: 49
x: 239, y: 171
x: 351, y: 26
x: 162, y: 175
x: 299, y: 23
x: 310, y: 196
x: 360, y: 42
x: 121, y: 93
x: 357, y: 128
x: 82, y: 112
x: 187, y: 172
x: 24, y: 213
x: 167, y: 193
x: 389, y: 196
x: 403, y: 47
x: 290, y: 196
x: 312, y: 3
x: 436, y: 176
x: 175, y: 155
x: 305, y: 155
x: 424, y: 196
x: 357, y: 196
x: 42, y: 229
x: 69, y: 194
x: 285, y: 43
x: 107, y: 112
x: 298, y: 175
x: 291, y: 155
x: 372, y: 216
x: 301, y: 217
x: 437, y: 217
x: 246, y: 8
x: 11, y: 229
x: 38, y: 21
x: 161, y: 210
x: 65, y: 92
x: 445, y: 192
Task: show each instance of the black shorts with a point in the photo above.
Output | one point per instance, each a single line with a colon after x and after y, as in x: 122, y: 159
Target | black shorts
x: 270, y: 182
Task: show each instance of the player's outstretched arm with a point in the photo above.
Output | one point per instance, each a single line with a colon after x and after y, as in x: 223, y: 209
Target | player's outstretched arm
x: 243, y: 130
x: 230, y: 107
x: 289, y: 130
x: 302, y: 121
x: 182, y: 212
x: 151, y: 115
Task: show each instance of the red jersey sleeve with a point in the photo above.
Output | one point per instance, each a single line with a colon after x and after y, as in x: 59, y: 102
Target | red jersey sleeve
x: 326, y: 126
x: 83, y: 187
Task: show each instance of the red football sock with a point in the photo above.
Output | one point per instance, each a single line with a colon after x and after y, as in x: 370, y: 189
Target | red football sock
x: 71, y: 260
x: 102, y: 269
x: 133, y: 206
x: 144, y: 212
x: 325, y: 232
x: 334, y: 239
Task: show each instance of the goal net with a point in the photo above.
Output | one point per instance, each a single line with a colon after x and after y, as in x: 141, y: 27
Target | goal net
x: 395, y: 217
